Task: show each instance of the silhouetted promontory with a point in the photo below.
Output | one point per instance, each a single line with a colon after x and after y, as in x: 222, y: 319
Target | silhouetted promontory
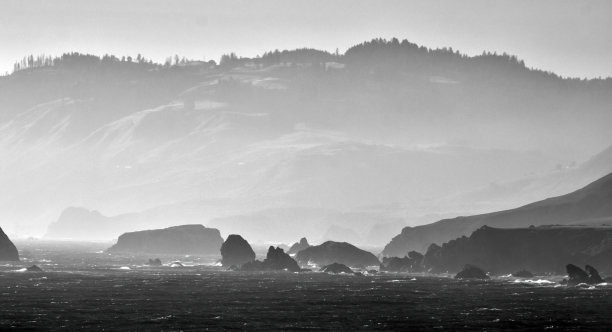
x: 236, y: 251
x: 185, y: 239
x: 336, y: 252
x: 544, y: 249
x: 8, y: 251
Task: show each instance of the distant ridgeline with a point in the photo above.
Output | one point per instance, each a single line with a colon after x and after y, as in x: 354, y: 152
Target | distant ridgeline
x: 589, y: 206
x: 378, y: 56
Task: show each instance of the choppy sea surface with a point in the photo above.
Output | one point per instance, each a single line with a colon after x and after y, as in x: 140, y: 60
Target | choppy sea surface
x: 84, y: 288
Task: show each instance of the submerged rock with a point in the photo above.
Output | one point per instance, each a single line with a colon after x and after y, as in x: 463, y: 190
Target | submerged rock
x: 336, y: 268
x: 236, y: 251
x: 471, y: 272
x: 185, y: 239
x: 579, y: 276
x: 336, y: 252
x: 154, y: 262
x: 522, y: 274
x: 34, y: 268
x: 298, y: 246
x: 8, y: 251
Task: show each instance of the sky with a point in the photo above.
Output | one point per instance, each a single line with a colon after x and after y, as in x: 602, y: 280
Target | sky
x: 571, y: 38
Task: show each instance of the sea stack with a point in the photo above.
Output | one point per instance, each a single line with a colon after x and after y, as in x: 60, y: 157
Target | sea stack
x: 8, y: 251
x: 236, y: 251
x: 276, y: 260
x: 579, y: 276
x: 185, y: 239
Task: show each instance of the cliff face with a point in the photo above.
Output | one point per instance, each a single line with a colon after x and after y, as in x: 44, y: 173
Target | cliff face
x: 591, y: 205
x: 8, y: 251
x: 185, y: 239
x: 336, y: 252
x: 546, y: 249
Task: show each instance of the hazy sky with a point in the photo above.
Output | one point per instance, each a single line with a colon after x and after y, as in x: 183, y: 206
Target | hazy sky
x: 572, y: 38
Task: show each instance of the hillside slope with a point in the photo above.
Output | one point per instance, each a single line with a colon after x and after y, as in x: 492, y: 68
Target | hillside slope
x: 590, y: 205
x: 385, y: 131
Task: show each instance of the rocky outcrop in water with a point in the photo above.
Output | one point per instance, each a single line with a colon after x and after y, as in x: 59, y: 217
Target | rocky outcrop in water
x: 522, y: 274
x: 154, y: 262
x: 411, y: 263
x: 34, y: 268
x: 236, y: 251
x: 8, y: 251
x: 579, y: 276
x: 544, y: 249
x: 336, y: 252
x: 593, y: 274
x: 471, y: 272
x: 336, y: 268
x: 298, y: 246
x: 185, y: 239
x: 276, y: 260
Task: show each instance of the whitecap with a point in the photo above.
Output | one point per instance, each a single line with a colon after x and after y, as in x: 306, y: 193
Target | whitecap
x: 125, y: 268
x: 537, y: 282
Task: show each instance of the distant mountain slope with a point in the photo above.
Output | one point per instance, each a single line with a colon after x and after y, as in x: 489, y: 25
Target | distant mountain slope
x: 589, y: 205
x: 386, y: 130
x: 555, y: 182
x: 77, y: 223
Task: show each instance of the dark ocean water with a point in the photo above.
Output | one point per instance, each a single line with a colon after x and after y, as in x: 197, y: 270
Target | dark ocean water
x: 85, y: 289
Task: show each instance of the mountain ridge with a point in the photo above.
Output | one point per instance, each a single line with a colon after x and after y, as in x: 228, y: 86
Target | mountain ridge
x: 592, y: 203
